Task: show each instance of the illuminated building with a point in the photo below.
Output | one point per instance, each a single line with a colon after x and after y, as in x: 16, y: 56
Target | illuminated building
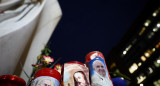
x: 138, y: 53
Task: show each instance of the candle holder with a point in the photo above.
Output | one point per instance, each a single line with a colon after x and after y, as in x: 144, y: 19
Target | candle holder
x: 11, y: 80
x: 46, y: 76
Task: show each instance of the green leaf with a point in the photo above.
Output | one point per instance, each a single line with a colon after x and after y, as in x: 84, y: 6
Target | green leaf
x: 38, y: 57
x: 47, y: 54
x: 49, y: 51
x: 42, y: 50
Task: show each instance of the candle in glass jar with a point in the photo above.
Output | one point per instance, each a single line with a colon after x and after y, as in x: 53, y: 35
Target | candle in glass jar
x: 75, y: 74
x: 11, y: 80
x: 47, y: 77
x: 98, y: 70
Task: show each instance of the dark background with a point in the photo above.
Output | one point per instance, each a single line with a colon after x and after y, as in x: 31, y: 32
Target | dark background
x: 91, y: 25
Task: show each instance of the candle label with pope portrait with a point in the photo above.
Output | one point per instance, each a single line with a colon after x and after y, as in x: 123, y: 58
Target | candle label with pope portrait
x: 99, y: 73
x: 75, y: 75
x: 45, y: 81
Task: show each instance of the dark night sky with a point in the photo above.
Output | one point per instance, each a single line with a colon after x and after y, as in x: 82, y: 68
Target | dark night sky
x: 89, y: 25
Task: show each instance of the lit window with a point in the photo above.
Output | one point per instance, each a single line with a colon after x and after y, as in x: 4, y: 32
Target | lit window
x: 157, y: 45
x: 124, y: 52
x: 129, y: 47
x: 158, y: 25
x: 155, y: 29
x: 155, y: 13
x: 142, y: 31
x: 147, y: 54
x: 147, y: 23
x: 141, y: 85
x: 133, y: 68
x: 158, y: 61
x: 139, y: 64
x: 153, y: 49
x: 141, y: 78
x: 143, y: 58
x: 150, y: 70
x: 156, y: 83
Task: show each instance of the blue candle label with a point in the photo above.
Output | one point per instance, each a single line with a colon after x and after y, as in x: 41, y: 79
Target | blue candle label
x: 99, y: 72
x: 45, y: 81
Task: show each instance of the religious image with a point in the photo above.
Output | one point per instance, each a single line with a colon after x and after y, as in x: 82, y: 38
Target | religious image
x: 75, y: 75
x: 99, y: 73
x: 45, y: 81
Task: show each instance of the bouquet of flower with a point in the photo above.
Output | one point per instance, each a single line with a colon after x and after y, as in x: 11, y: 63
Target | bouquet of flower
x: 44, y: 60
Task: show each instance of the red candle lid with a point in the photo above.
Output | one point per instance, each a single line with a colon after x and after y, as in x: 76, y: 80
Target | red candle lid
x: 11, y: 80
x: 93, y: 55
x: 48, y: 72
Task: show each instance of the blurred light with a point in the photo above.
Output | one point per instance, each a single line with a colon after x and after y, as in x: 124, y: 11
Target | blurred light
x: 150, y: 35
x: 158, y: 25
x: 12, y: 78
x: 147, y: 54
x: 141, y: 85
x: 155, y: 29
x: 142, y: 31
x: 141, y: 78
x: 133, y: 68
x: 157, y: 83
x: 143, y: 58
x: 157, y: 45
x: 156, y: 64
x: 129, y: 47
x: 124, y: 52
x: 149, y: 51
x: 153, y: 49
x: 158, y: 61
x: 139, y: 64
x: 147, y: 23
x: 150, y: 70
x: 113, y: 65
x: 122, y: 78
x: 134, y: 40
x: 155, y: 13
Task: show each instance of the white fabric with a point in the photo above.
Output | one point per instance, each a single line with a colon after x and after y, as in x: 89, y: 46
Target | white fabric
x: 14, y: 36
x: 98, y: 80
x: 12, y: 13
x: 31, y: 29
x: 50, y: 16
x: 8, y: 4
